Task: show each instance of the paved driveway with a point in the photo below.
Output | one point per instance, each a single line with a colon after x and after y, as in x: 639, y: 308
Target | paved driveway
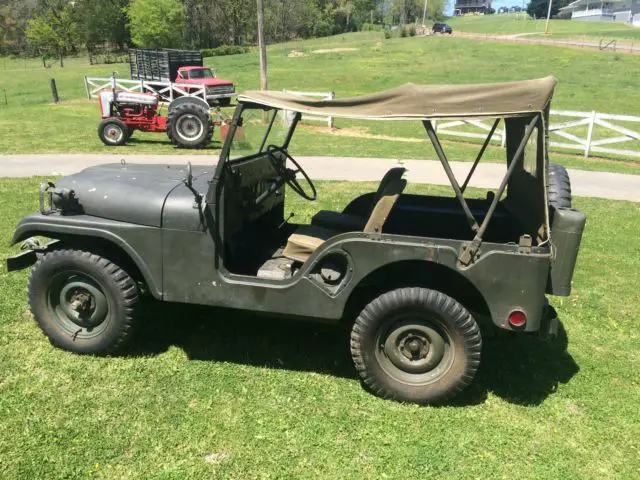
x: 616, y: 186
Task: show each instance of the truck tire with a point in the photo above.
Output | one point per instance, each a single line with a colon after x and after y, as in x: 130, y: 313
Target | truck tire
x: 113, y: 132
x: 189, y: 126
x: 558, y: 186
x: 416, y: 345
x: 83, y: 303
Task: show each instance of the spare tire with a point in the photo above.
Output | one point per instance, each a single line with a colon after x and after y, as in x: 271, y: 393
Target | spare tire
x: 558, y: 186
x: 189, y: 125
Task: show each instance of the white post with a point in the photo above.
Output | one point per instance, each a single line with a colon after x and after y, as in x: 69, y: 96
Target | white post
x: 546, y: 25
x: 424, y: 12
x: 587, y: 146
x: 503, y: 141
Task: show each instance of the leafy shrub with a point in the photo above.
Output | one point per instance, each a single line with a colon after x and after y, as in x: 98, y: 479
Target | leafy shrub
x: 223, y: 50
x: 404, y: 31
x: 387, y: 34
x: 412, y: 30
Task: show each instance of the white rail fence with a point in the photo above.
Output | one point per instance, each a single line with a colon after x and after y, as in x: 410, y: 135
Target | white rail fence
x: 608, y: 133
x: 166, y: 91
x: 321, y: 96
x: 597, y: 129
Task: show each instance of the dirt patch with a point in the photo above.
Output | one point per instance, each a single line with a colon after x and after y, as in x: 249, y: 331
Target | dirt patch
x: 334, y: 50
x: 296, y: 53
x: 359, y: 132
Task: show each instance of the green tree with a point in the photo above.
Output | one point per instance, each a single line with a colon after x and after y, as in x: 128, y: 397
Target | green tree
x: 54, y: 27
x: 157, y: 23
x: 539, y: 8
x: 103, y: 21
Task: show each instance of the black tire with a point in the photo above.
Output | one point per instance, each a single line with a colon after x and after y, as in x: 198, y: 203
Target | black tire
x: 224, y: 102
x: 438, y: 333
x: 113, y: 132
x: 558, y: 186
x: 189, y: 126
x: 67, y: 284
x: 130, y: 134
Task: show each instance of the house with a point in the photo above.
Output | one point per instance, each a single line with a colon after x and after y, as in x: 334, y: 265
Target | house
x: 627, y: 11
x: 464, y: 7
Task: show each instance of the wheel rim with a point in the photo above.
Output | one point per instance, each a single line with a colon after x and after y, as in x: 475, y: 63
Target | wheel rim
x: 78, y: 304
x: 414, y: 348
x: 113, y: 133
x: 189, y: 127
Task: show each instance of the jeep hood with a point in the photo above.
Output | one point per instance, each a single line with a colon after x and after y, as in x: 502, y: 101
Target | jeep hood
x: 130, y: 193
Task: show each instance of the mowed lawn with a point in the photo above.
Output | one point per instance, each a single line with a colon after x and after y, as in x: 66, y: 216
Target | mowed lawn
x: 588, y: 81
x: 206, y: 393
x: 514, y: 23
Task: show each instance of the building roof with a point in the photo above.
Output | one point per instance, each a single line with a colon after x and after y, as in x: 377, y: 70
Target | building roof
x: 413, y: 101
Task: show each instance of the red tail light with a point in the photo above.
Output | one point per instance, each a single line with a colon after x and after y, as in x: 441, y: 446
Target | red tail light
x: 517, y: 318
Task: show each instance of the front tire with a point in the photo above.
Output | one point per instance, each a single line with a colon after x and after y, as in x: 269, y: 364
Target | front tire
x: 113, y: 132
x: 416, y: 345
x: 83, y: 303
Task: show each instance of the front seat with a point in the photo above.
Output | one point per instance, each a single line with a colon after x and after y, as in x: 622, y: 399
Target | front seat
x: 308, y: 238
x: 346, y: 222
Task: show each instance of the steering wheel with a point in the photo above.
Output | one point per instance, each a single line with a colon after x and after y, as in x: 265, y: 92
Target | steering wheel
x: 289, y: 176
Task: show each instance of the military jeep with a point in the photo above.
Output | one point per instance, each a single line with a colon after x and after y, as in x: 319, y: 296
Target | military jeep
x: 419, y: 279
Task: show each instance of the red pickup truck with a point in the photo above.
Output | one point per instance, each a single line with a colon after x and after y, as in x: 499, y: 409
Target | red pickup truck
x: 217, y: 89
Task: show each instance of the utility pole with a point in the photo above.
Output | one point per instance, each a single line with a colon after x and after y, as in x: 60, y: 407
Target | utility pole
x: 262, y: 46
x: 424, y: 12
x: 546, y: 25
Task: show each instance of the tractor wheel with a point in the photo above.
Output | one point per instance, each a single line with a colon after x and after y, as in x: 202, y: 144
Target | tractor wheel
x: 83, y: 302
x: 189, y: 126
x: 113, y: 132
x: 558, y: 186
x: 416, y: 345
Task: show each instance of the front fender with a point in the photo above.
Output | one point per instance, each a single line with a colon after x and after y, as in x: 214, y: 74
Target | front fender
x: 141, y: 243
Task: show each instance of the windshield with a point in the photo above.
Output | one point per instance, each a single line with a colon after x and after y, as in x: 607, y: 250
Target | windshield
x: 201, y: 73
x: 260, y: 129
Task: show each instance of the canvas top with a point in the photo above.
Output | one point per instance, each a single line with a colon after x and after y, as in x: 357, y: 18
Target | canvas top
x: 411, y: 101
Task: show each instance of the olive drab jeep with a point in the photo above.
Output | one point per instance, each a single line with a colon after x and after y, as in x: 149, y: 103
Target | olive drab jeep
x: 424, y: 274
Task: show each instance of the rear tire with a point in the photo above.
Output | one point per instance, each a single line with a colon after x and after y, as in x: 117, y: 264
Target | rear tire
x: 189, y: 126
x: 113, y: 132
x: 416, y: 345
x: 83, y: 303
x: 559, y: 186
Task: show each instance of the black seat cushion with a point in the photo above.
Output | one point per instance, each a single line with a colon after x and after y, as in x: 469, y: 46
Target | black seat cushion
x: 343, y: 222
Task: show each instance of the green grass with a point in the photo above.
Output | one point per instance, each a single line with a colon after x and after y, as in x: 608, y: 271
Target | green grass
x: 215, y: 394
x: 587, y: 81
x: 520, y: 23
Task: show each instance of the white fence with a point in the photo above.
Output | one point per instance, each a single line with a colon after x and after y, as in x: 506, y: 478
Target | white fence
x: 167, y: 91
x: 598, y: 130
x: 322, y: 96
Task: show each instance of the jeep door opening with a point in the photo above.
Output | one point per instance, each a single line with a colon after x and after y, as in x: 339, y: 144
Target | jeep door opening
x: 417, y: 277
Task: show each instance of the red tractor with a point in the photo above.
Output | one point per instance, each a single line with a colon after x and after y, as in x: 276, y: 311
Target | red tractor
x: 188, y: 122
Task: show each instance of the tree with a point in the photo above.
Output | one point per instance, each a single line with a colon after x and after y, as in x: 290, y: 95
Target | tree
x: 54, y: 27
x: 157, y: 23
x: 103, y: 21
x: 538, y: 8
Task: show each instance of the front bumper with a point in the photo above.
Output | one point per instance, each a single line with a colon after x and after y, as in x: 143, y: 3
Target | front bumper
x: 217, y: 96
